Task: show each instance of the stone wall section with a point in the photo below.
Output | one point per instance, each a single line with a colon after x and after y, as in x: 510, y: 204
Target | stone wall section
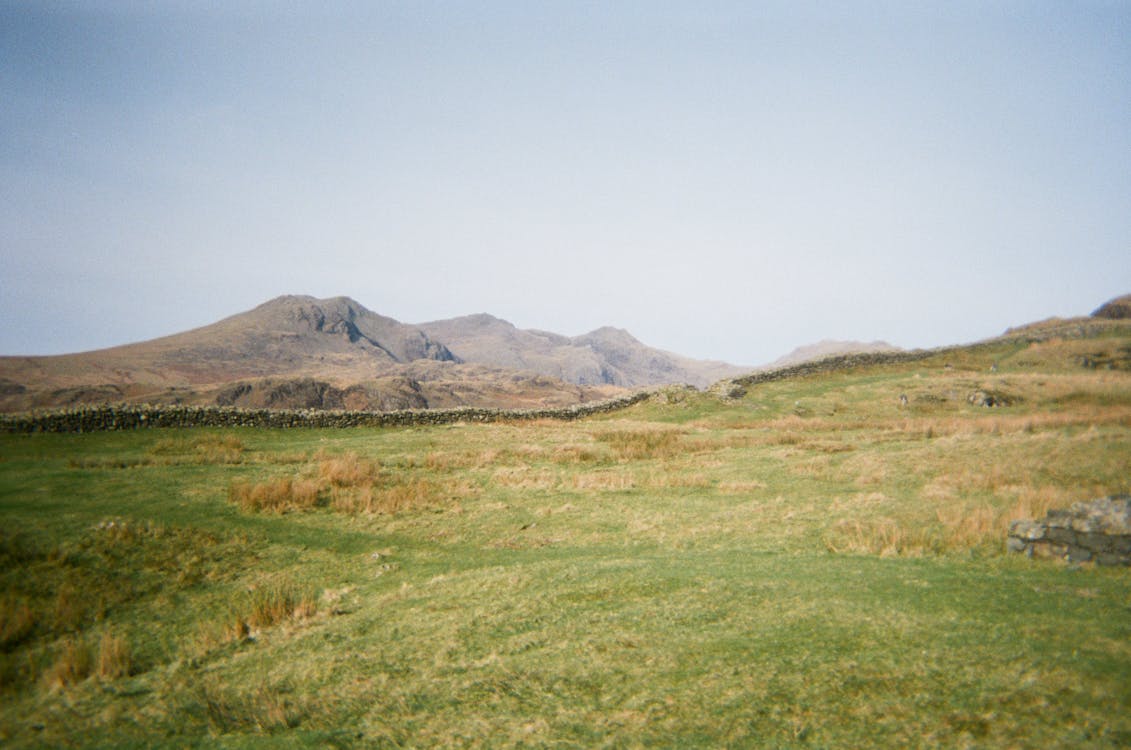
x: 1094, y: 531
x: 129, y: 417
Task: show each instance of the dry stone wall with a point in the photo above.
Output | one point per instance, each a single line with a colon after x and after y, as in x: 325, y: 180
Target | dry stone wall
x: 129, y: 417
x: 833, y: 364
x: 1094, y: 531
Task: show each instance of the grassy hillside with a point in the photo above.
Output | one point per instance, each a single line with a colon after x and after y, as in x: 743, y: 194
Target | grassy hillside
x: 815, y: 564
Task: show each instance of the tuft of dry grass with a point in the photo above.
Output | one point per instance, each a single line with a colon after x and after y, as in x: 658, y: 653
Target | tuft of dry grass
x: 275, y: 496
x: 206, y: 449
x: 678, y: 480
x: 279, y: 602
x: 877, y: 536
x: 264, y: 710
x: 72, y: 665
x: 70, y: 608
x: 575, y: 454
x: 636, y: 445
x: 350, y: 483
x: 17, y: 621
x: 954, y: 527
x: 114, y: 658
x: 262, y: 607
x: 348, y: 470
x: 524, y: 478
x: 604, y: 480
x: 413, y: 494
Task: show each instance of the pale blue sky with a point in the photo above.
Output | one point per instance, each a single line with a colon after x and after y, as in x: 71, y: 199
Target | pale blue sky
x: 724, y: 180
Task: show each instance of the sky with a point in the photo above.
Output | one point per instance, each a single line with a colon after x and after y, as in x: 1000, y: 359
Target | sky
x: 725, y: 180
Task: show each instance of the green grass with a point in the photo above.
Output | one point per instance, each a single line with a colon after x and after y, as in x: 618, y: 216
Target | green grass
x: 815, y: 565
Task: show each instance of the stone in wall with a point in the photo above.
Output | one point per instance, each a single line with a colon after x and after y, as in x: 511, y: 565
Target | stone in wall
x: 1093, y: 531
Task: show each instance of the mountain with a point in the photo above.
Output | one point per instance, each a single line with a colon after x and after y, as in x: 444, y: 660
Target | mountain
x: 289, y: 335
x: 830, y: 348
x: 606, y: 356
x: 290, y: 352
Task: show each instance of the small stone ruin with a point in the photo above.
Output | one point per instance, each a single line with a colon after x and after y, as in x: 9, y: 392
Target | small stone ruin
x: 1096, y: 531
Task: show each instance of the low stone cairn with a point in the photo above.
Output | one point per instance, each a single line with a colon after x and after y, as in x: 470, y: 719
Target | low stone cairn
x: 1096, y: 531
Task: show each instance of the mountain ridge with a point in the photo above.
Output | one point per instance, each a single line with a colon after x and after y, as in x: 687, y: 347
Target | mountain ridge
x: 300, y: 351
x: 605, y: 355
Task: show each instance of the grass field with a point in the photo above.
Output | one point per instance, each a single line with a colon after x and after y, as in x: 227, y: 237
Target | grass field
x: 814, y: 565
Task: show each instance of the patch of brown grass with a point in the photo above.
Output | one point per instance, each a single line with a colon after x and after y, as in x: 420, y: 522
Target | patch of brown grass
x: 114, y: 659
x: 72, y: 665
x: 740, y: 487
x: 604, y: 480
x: 278, y: 602
x: 636, y: 445
x: 262, y: 607
x: 206, y: 449
x: 275, y: 496
x: 878, y: 536
x: 71, y: 608
x: 525, y: 478
x: 264, y: 710
x: 407, y: 495
x: 348, y: 470
x: 576, y: 454
x: 17, y: 621
x: 678, y: 480
x: 954, y: 527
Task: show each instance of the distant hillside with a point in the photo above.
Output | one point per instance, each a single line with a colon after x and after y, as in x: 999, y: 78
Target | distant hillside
x: 285, y: 336
x: 303, y: 352
x: 606, y: 356
x: 830, y: 348
x: 290, y: 352
x: 1117, y: 309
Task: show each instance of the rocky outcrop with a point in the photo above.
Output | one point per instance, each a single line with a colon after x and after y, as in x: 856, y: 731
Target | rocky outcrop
x: 1094, y: 531
x: 990, y: 399
x: 727, y: 390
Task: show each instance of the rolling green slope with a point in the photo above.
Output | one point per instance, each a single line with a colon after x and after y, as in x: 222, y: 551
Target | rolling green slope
x: 819, y: 563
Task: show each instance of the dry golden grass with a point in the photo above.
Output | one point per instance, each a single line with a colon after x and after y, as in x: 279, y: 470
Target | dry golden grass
x: 350, y: 483
x: 575, y: 454
x: 72, y: 665
x: 348, y: 470
x: 262, y: 607
x: 954, y: 527
x: 677, y: 480
x: 275, y: 496
x: 71, y: 608
x: 874, y: 536
x: 263, y: 711
x: 603, y: 480
x: 114, y: 659
x: 741, y: 487
x: 636, y: 445
x: 17, y: 620
x: 520, y: 477
x: 277, y: 602
x: 403, y: 496
x: 206, y: 449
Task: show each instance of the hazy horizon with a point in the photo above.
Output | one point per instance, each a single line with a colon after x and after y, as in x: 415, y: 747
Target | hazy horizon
x: 724, y: 181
